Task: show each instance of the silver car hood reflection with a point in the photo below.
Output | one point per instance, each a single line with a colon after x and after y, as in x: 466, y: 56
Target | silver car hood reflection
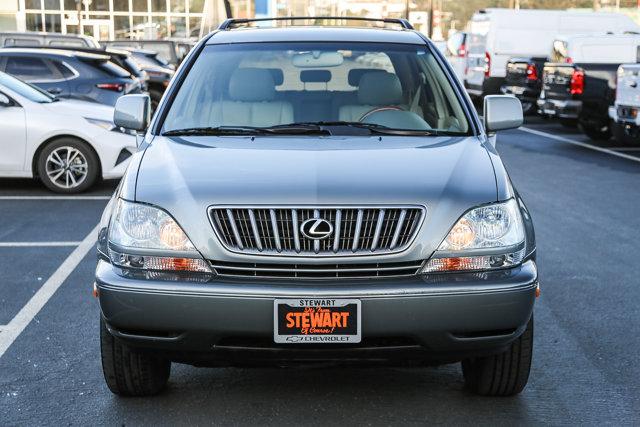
x: 186, y: 175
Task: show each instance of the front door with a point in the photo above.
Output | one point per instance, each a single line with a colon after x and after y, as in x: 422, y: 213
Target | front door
x: 13, y: 143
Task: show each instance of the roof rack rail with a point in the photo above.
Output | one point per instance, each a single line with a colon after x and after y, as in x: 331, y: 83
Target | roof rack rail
x: 232, y: 22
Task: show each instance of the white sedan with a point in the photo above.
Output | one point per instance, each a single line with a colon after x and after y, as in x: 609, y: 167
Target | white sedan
x: 68, y: 144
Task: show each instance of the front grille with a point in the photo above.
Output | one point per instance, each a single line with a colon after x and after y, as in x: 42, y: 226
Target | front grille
x: 356, y: 231
x: 316, y: 271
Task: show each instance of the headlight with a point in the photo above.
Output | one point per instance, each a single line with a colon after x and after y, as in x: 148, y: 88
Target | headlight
x: 484, y: 238
x: 135, y: 228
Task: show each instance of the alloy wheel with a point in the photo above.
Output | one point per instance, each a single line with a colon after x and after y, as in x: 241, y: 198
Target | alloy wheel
x: 66, y: 167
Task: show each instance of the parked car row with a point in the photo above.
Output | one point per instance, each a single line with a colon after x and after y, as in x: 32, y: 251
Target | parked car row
x: 560, y: 64
x: 57, y: 93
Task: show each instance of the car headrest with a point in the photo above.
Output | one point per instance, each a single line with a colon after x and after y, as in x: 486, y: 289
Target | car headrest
x: 380, y: 89
x: 356, y: 74
x: 315, y: 76
x: 252, y: 85
x: 278, y: 75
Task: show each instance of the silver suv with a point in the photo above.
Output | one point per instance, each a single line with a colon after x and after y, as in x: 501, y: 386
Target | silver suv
x: 316, y: 193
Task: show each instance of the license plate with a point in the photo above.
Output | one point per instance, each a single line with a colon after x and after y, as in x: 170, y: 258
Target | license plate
x: 317, y: 321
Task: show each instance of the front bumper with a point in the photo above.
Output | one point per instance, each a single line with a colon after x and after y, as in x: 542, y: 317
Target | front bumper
x: 564, y: 109
x: 443, y: 317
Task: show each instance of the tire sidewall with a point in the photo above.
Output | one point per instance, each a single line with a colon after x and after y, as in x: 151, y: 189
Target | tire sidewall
x: 92, y: 163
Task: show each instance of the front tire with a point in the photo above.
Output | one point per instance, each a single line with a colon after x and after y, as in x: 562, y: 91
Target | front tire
x: 67, y: 165
x: 129, y: 372
x: 503, y: 374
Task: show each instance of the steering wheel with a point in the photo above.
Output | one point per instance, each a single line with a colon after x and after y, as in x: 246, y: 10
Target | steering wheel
x: 378, y: 109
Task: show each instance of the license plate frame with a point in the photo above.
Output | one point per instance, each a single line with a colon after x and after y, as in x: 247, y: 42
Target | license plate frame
x: 343, y: 331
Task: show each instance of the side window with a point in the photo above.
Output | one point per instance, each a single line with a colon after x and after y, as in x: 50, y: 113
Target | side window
x: 67, y: 43
x: 29, y: 68
x: 17, y: 42
x: 63, y: 69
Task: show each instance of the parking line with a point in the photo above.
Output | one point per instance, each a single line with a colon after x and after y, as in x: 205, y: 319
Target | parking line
x: 36, y: 244
x: 578, y: 143
x: 40, y: 298
x: 55, y: 197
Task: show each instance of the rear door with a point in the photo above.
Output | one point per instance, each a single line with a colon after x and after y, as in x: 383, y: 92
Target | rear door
x: 38, y: 71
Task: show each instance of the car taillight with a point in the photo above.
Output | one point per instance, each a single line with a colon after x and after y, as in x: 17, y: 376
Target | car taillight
x: 487, y: 64
x: 462, y: 51
x: 116, y: 87
x: 577, y: 82
x: 532, y: 72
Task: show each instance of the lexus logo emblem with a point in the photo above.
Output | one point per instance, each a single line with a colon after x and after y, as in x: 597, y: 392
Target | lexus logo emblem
x: 316, y: 229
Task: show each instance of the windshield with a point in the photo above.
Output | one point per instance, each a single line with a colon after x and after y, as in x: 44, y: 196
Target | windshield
x: 26, y: 90
x: 262, y: 85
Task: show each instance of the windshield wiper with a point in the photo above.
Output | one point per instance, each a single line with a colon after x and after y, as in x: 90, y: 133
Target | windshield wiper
x: 213, y: 130
x: 246, y: 130
x: 373, y: 128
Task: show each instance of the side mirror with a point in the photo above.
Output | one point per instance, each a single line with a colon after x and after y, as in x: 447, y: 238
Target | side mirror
x: 133, y: 112
x: 502, y: 112
x: 5, y: 101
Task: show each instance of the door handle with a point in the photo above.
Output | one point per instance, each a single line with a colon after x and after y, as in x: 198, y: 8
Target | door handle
x: 54, y: 91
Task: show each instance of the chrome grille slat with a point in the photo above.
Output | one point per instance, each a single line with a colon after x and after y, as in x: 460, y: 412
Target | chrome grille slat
x: 275, y: 230
x: 294, y: 224
x: 356, y: 234
x: 254, y: 229
x: 316, y: 271
x: 316, y: 243
x: 396, y: 233
x: 234, y: 228
x: 336, y: 230
x: 376, y: 235
x: 274, y: 227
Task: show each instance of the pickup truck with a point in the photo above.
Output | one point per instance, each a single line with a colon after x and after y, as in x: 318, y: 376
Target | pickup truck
x: 624, y: 112
x: 580, y: 92
x: 524, y: 81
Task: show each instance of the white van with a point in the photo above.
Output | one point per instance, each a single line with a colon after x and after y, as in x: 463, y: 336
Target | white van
x: 499, y: 34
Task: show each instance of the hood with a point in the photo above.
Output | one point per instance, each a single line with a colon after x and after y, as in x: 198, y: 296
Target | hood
x: 76, y: 107
x: 186, y: 175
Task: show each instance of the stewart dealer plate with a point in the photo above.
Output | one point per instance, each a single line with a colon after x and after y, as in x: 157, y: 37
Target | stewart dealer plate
x: 316, y: 321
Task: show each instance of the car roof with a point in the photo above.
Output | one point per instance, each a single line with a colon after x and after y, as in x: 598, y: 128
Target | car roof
x: 313, y: 34
x: 38, y: 51
x: 43, y: 34
x: 607, y: 35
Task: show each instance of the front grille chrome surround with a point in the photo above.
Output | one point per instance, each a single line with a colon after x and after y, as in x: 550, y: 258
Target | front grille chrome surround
x: 317, y: 271
x: 357, y: 230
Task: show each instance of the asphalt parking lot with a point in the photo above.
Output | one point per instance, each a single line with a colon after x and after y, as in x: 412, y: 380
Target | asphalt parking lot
x: 585, y: 207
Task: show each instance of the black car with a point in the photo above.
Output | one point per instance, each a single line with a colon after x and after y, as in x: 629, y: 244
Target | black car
x: 169, y: 50
x: 524, y: 81
x: 70, y: 74
x: 158, y: 72
x: 120, y: 57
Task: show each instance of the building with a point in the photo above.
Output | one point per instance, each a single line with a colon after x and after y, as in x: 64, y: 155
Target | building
x: 109, y: 19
